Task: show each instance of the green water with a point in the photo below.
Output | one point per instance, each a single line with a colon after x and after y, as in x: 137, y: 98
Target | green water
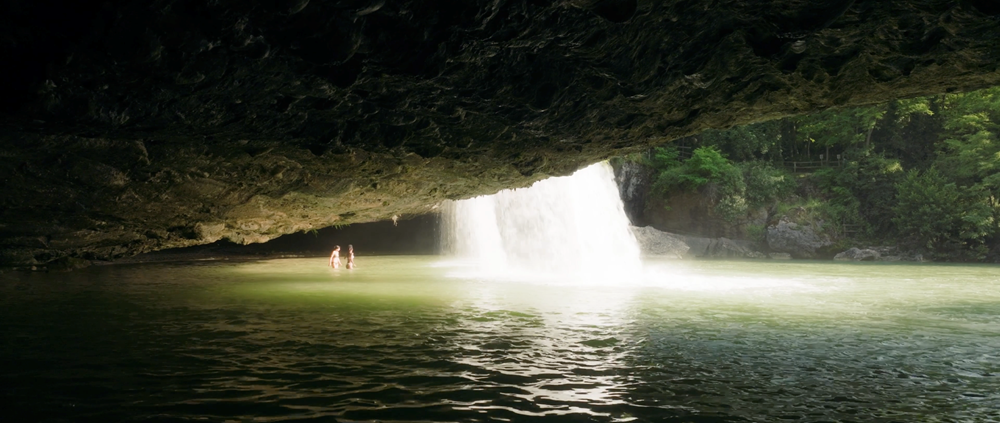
x: 412, y: 339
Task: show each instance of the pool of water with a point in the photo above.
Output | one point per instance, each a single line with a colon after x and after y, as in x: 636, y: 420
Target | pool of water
x: 420, y: 339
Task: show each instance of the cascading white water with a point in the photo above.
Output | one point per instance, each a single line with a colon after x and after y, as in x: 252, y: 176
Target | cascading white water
x: 566, y: 225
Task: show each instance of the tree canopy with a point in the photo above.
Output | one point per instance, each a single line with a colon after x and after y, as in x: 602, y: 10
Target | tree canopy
x: 924, y: 169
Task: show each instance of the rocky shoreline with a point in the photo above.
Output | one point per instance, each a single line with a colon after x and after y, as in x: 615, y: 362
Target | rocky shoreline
x: 654, y: 242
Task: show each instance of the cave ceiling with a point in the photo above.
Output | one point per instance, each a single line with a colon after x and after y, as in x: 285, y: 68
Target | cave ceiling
x: 132, y: 126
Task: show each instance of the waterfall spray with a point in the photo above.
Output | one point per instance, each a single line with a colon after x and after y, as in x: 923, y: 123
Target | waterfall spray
x: 573, y: 225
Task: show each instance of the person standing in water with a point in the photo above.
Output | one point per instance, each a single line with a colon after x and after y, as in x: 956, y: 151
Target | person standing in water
x: 350, y: 257
x: 335, y: 257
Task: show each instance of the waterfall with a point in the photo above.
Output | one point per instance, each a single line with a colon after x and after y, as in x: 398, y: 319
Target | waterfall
x: 566, y: 225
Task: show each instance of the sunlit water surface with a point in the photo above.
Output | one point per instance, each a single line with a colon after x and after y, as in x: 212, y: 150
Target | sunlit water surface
x: 417, y: 339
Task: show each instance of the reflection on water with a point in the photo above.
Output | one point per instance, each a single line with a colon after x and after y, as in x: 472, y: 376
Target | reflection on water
x: 410, y: 338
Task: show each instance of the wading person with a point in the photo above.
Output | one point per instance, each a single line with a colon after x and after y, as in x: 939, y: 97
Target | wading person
x: 335, y: 257
x: 350, y: 257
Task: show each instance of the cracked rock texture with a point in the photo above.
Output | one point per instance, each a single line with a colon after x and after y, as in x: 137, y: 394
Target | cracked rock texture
x: 655, y: 242
x: 858, y: 254
x: 803, y: 241
x: 134, y: 125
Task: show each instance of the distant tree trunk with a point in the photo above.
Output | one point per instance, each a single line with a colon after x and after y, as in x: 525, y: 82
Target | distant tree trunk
x: 795, y: 147
x: 788, y: 136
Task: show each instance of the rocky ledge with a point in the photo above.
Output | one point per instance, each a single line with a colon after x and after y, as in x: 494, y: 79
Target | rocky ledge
x: 136, y: 125
x: 882, y: 253
x: 654, y: 242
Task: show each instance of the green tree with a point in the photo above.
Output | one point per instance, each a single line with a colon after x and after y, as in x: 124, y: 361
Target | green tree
x: 949, y: 200
x: 841, y: 128
x: 765, y: 184
x: 734, y: 189
x: 705, y: 164
x: 747, y: 142
x: 863, y: 191
x: 949, y: 220
x: 970, y: 147
x: 910, y: 131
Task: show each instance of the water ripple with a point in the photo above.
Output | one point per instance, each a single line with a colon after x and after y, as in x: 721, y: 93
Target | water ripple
x: 81, y: 351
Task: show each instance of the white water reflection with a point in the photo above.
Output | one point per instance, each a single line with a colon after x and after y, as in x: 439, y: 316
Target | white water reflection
x: 400, y: 341
x: 755, y: 340
x: 562, y: 356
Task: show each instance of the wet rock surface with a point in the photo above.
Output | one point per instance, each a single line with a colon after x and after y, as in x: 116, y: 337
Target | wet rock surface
x: 858, y: 254
x: 634, y: 184
x: 659, y: 243
x: 132, y: 126
x: 722, y: 248
x: 803, y: 241
x: 881, y: 253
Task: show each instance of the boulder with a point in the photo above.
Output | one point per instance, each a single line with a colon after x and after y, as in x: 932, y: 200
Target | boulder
x: 659, y: 243
x: 656, y: 242
x: 798, y: 240
x: 892, y: 253
x: 66, y: 264
x: 720, y: 248
x: 857, y: 254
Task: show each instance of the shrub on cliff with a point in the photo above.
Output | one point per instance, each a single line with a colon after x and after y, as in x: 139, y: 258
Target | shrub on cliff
x: 765, y: 183
x: 862, y: 191
x: 705, y: 165
x: 734, y: 188
x: 949, y: 220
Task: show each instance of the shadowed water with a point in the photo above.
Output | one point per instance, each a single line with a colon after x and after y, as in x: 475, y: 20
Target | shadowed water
x: 411, y: 339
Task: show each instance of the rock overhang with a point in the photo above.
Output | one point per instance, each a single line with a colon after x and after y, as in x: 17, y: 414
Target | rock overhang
x: 130, y: 126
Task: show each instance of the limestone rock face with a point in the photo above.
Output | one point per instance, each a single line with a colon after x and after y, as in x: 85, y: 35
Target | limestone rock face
x: 134, y: 125
x: 721, y: 248
x: 894, y: 253
x: 880, y: 253
x: 634, y: 185
x: 799, y: 241
x: 857, y: 254
x: 659, y: 243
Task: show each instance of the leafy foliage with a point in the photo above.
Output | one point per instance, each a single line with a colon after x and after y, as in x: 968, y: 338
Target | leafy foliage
x: 840, y: 127
x: 923, y: 169
x: 735, y: 188
x: 970, y: 148
x: 706, y: 164
x: 765, y: 183
x: 950, y: 221
x: 749, y: 142
x: 863, y: 191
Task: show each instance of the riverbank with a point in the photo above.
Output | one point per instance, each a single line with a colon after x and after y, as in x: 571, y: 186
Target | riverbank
x: 799, y: 223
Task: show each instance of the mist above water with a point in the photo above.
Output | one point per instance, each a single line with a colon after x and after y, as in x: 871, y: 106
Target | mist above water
x: 564, y: 226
